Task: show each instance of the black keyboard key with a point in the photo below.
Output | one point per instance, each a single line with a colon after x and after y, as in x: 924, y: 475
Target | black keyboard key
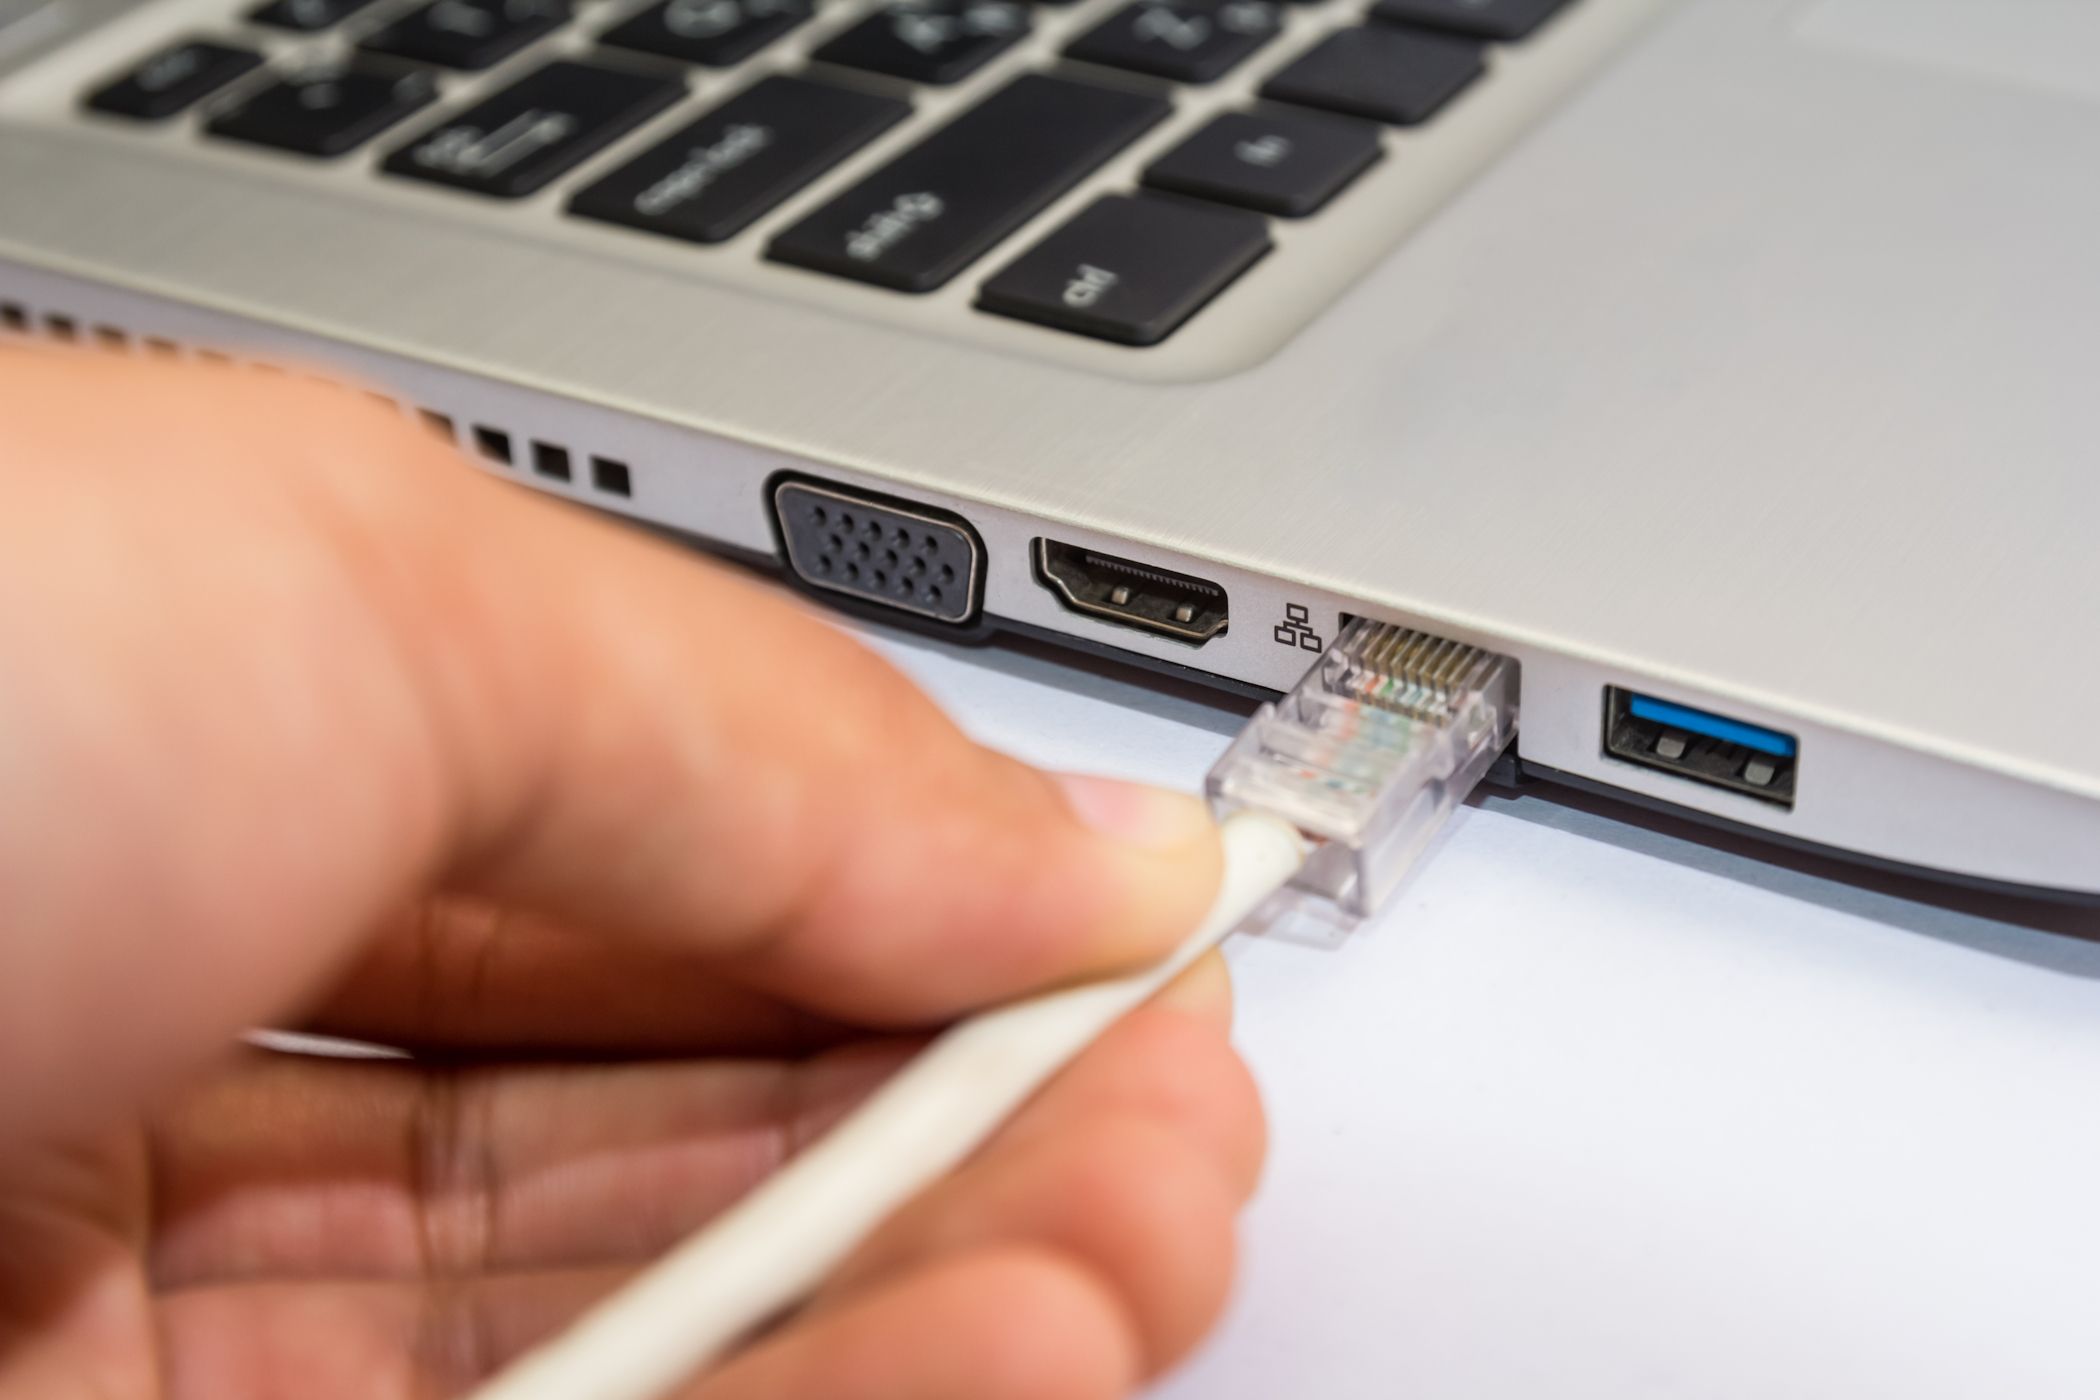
x: 1279, y: 162
x: 1389, y: 75
x: 305, y: 16
x: 173, y: 79
x: 932, y: 211
x: 929, y: 41
x: 1128, y: 268
x: 514, y: 142
x: 1190, y: 41
x: 712, y: 33
x: 1483, y: 19
x: 330, y: 108
x: 713, y: 178
x: 469, y: 34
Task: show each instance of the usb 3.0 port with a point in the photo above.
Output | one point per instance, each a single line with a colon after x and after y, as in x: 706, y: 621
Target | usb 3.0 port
x: 1703, y: 747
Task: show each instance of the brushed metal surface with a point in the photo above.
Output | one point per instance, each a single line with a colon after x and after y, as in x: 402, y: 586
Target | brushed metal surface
x: 1760, y: 375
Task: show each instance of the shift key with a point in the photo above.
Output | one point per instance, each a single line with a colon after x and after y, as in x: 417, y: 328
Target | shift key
x: 934, y: 210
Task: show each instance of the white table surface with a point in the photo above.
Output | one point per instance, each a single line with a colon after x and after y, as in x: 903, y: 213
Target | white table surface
x: 1605, y: 1106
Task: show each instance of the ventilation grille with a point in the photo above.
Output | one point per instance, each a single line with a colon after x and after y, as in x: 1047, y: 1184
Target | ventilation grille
x: 582, y: 473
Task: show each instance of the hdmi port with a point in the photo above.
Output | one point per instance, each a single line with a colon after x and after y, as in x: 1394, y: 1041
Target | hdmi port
x: 1131, y: 594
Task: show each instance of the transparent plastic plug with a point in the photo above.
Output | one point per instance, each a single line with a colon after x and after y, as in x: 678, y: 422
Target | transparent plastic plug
x: 1371, y: 752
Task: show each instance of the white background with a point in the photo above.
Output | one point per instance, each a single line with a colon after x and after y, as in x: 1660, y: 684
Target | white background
x: 1608, y: 1106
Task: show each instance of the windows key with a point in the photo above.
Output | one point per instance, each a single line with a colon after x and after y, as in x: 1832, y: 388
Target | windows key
x: 1128, y: 268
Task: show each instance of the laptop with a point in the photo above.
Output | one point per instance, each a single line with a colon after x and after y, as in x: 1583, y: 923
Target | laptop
x: 1730, y: 364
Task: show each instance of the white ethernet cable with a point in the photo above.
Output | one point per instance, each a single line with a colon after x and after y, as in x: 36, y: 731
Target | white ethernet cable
x: 1340, y: 785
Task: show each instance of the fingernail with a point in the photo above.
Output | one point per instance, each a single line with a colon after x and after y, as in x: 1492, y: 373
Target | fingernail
x: 1143, y: 816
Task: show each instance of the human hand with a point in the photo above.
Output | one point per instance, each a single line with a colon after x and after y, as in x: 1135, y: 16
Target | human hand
x: 304, y: 723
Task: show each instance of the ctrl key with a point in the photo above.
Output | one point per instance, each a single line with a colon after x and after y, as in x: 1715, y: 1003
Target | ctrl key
x: 173, y: 79
x: 1128, y: 268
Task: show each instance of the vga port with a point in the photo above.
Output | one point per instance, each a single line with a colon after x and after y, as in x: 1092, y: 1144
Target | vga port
x: 879, y: 550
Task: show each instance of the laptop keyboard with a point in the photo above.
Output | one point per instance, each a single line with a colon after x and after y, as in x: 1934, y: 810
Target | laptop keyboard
x: 1131, y: 267
x: 710, y: 33
x: 940, y: 206
x: 468, y: 34
x: 1184, y: 43
x: 711, y: 180
x: 173, y: 80
x: 329, y: 112
x: 521, y: 139
x: 930, y: 41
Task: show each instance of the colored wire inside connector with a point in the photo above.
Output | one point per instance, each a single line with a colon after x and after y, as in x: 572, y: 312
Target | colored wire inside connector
x: 1371, y: 752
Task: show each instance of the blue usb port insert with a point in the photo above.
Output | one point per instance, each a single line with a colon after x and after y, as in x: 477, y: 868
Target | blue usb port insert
x: 1701, y: 746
